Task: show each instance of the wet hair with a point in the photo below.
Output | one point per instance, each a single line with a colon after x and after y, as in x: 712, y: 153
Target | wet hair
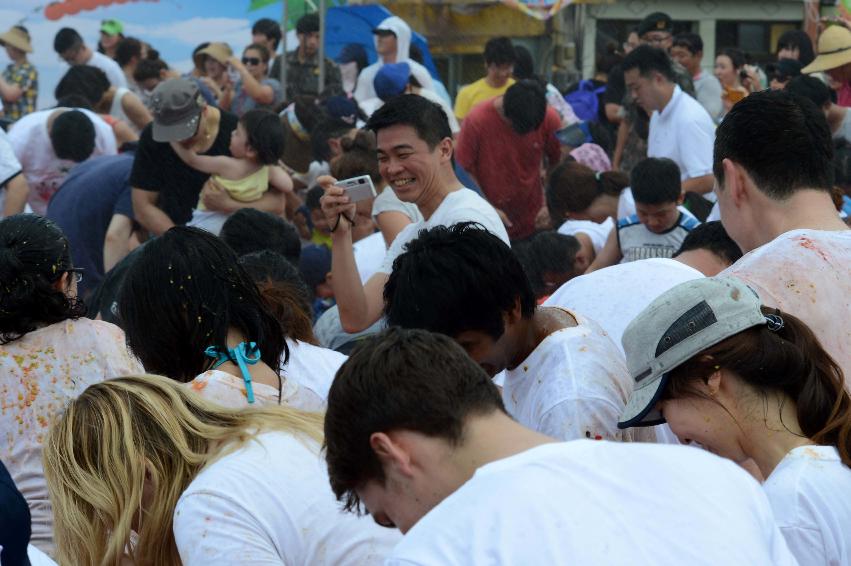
x: 308, y: 23
x: 524, y: 64
x: 261, y: 49
x: 65, y: 39
x: 427, y: 118
x: 399, y: 380
x: 34, y: 255
x: 148, y: 69
x: 284, y: 291
x: 126, y: 49
x: 525, y: 105
x: 546, y: 252
x: 737, y: 57
x: 785, y: 125
x: 573, y: 187
x: 358, y: 158
x: 798, y: 38
x: 85, y: 80
x: 265, y: 135
x: 655, y: 180
x: 268, y: 27
x: 648, y: 59
x: 249, y: 230
x: 689, y: 41
x: 467, y: 276
x: 326, y: 130
x: 73, y: 136
x: 810, y: 88
x: 182, y: 294
x: 499, y: 51
x: 712, y: 236
x: 791, y: 361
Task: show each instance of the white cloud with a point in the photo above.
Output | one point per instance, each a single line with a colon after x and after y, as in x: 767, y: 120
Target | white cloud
x: 235, y: 31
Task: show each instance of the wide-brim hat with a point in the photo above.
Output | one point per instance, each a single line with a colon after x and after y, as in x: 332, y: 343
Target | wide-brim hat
x: 221, y: 52
x: 17, y: 38
x: 834, y: 50
x: 176, y: 105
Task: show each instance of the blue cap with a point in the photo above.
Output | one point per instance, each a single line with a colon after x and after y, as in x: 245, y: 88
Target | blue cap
x: 353, y: 52
x: 341, y: 108
x: 314, y: 264
x: 391, y: 80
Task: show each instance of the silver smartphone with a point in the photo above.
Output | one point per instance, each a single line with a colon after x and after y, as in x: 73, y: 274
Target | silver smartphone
x: 358, y: 188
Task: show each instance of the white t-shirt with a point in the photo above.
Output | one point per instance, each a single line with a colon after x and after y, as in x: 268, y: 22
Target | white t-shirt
x: 369, y: 254
x: 110, y: 67
x: 685, y: 133
x: 597, y: 232
x: 10, y: 167
x: 805, y: 273
x: 462, y: 205
x: 43, y: 170
x: 810, y: 493
x: 312, y: 367
x: 229, y: 391
x: 270, y: 502
x: 387, y: 201
x: 39, y: 374
x: 575, y: 384
x: 584, y: 502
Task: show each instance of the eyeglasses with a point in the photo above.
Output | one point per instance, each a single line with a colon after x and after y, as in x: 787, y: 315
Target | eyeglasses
x: 251, y: 61
x: 77, y: 273
x: 656, y: 39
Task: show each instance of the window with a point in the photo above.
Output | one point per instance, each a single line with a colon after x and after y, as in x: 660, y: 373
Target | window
x: 757, y: 39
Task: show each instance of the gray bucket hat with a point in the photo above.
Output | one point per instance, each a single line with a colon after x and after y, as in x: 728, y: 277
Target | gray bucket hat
x: 176, y: 105
x: 678, y: 325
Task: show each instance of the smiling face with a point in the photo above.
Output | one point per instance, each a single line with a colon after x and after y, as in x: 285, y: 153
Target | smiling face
x: 408, y: 165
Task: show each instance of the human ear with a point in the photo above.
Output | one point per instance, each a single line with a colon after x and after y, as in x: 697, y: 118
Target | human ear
x: 391, y: 454
x: 63, y: 283
x: 735, y: 181
x: 445, y: 148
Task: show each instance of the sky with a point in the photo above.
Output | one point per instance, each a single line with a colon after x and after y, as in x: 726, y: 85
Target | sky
x: 173, y: 27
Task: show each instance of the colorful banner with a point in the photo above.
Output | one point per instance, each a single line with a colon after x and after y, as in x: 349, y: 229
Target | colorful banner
x: 540, y: 10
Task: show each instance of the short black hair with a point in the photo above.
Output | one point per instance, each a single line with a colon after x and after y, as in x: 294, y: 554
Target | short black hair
x: 800, y: 39
x: 249, y: 230
x: 795, y: 149
x: 65, y: 39
x: 648, y: 59
x: 312, y: 198
x: 308, y: 23
x: 546, y: 252
x: 525, y: 105
x: 712, y: 236
x: 689, y: 41
x: 467, y: 277
x: 810, y: 88
x: 426, y: 117
x: 655, y: 180
x: 73, y: 136
x: 148, y: 69
x: 500, y: 51
x: 399, y: 380
x: 73, y: 101
x: 126, y: 49
x: 327, y: 129
x: 265, y: 134
x: 524, y: 65
x: 269, y: 28
x: 85, y: 80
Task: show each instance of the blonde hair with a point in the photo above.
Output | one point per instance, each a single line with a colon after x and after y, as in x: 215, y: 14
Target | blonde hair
x: 97, y: 454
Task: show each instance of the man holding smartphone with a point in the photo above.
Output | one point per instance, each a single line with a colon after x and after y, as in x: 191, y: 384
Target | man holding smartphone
x: 415, y: 151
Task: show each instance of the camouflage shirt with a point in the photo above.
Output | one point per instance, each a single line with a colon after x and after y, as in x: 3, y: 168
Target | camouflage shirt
x: 303, y: 77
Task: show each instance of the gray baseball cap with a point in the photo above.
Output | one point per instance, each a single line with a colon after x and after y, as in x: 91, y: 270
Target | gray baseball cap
x: 678, y: 325
x: 176, y: 105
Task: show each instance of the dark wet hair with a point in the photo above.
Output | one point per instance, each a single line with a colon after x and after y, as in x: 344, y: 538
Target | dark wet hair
x: 712, y: 236
x: 149, y: 69
x: 268, y: 27
x: 499, y: 51
x: 655, y: 180
x: 573, y: 187
x: 265, y: 135
x: 34, y: 255
x: 126, y: 49
x: 524, y: 65
x: 249, y: 230
x: 73, y: 136
x: 65, y: 39
x: 182, y: 294
x: 648, y: 59
x: 546, y: 252
x: 426, y: 117
x: 810, y: 88
x: 798, y: 38
x: 525, y: 105
x: 85, y: 80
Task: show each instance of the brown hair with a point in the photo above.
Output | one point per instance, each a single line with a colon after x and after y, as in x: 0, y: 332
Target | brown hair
x: 291, y: 307
x: 573, y: 187
x: 791, y: 361
x: 358, y: 158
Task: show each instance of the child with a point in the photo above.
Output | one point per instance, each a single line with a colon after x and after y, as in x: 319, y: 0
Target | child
x: 660, y: 224
x: 256, y: 145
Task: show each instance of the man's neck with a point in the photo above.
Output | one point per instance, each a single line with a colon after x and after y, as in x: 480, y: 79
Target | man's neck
x: 493, y: 82
x: 544, y: 322
x: 668, y: 96
x: 448, y: 183
x: 388, y: 59
x: 86, y: 55
x: 805, y: 209
x: 302, y: 55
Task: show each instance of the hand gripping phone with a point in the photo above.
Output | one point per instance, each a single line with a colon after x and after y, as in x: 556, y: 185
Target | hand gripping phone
x: 358, y: 188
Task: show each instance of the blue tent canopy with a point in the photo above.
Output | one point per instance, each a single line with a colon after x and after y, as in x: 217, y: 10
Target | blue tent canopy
x: 354, y: 24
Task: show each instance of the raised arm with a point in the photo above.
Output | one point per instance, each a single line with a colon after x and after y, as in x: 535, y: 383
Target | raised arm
x: 227, y: 167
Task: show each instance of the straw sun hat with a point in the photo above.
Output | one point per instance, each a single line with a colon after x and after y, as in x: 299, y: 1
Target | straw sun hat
x: 17, y: 38
x: 834, y: 50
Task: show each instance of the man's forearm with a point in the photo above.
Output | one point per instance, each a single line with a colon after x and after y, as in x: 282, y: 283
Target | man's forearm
x: 346, y: 282
x: 17, y: 192
x: 154, y: 220
x: 700, y: 185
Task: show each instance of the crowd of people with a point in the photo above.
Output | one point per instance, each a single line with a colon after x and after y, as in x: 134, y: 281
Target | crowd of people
x: 248, y: 323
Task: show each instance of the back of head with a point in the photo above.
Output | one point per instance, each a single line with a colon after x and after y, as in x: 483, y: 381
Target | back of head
x: 85, y: 80
x: 800, y: 40
x: 609, y: 59
x: 121, y: 431
x: 811, y: 88
x: 399, y: 380
x: 182, y: 295
x: 326, y: 130
x: 467, y: 276
x: 265, y: 135
x: 148, y: 69
x: 548, y: 259
x: 284, y: 291
x: 65, y: 39
x: 268, y: 27
x: 782, y: 141
x: 426, y: 117
x: 573, y: 187
x: 34, y: 255
x: 712, y: 237
x: 500, y: 51
x: 524, y: 65
x: 77, y: 101
x: 249, y: 230
x: 358, y: 158
x: 525, y: 105
x: 126, y: 49
x: 73, y: 136
x: 692, y: 42
x: 655, y: 180
x: 648, y: 59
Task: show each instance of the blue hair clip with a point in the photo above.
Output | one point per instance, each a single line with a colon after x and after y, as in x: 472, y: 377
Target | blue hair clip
x: 245, y: 354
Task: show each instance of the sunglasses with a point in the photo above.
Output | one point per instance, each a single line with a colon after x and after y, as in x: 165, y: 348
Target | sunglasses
x: 251, y: 61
